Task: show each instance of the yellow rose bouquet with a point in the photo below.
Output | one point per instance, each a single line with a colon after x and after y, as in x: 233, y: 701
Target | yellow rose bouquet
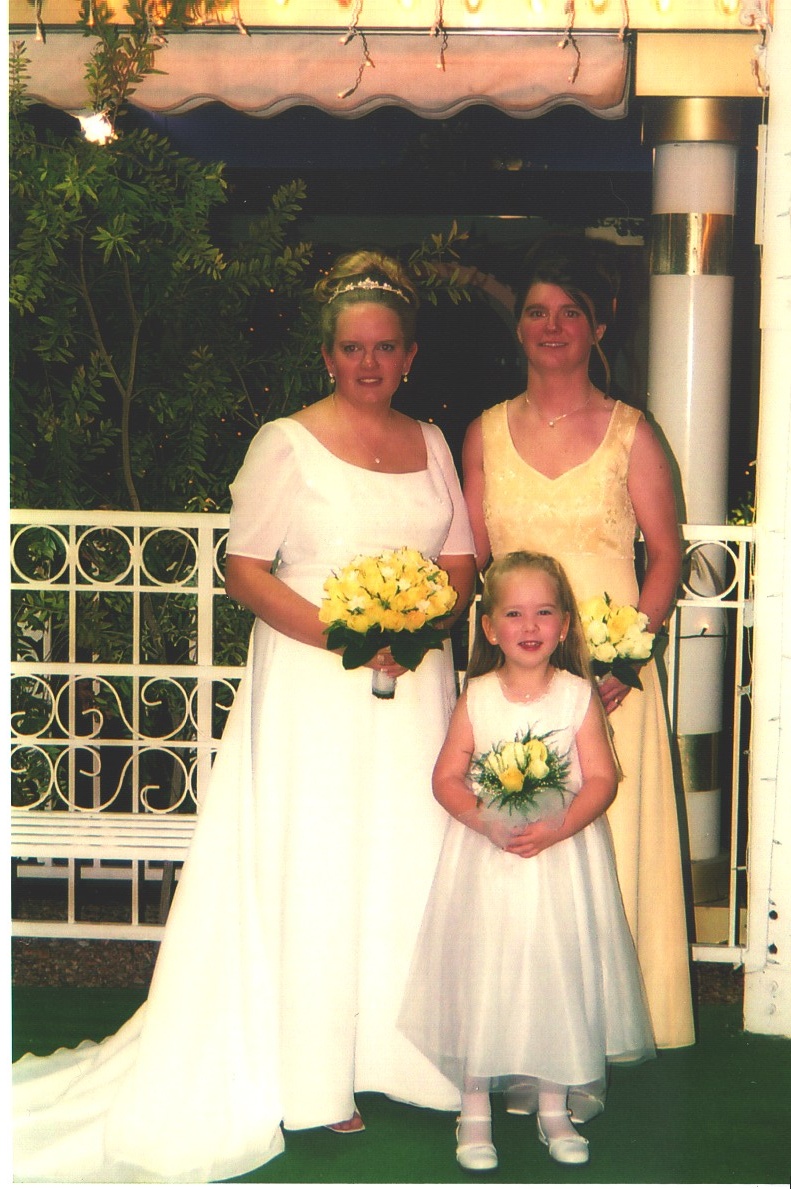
x: 390, y: 601
x: 524, y: 777
x: 616, y: 637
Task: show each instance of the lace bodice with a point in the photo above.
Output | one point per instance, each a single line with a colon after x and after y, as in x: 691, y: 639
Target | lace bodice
x: 586, y: 510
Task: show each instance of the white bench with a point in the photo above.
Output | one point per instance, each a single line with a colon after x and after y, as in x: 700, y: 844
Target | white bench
x: 81, y: 836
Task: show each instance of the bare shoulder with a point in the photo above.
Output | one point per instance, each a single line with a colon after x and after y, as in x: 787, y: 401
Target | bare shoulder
x: 410, y: 432
x: 314, y: 416
x: 647, y: 448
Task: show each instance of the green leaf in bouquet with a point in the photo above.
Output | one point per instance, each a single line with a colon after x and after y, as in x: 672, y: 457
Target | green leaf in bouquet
x: 360, y: 649
x: 626, y: 672
x: 409, y: 648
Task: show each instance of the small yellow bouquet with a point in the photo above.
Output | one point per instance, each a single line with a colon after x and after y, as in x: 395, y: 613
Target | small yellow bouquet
x: 388, y: 601
x: 525, y: 777
x: 616, y: 637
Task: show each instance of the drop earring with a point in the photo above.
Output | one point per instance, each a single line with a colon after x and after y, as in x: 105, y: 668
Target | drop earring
x: 405, y: 377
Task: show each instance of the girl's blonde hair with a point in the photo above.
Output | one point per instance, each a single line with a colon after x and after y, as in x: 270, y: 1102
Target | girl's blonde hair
x: 571, y: 653
x: 345, y: 285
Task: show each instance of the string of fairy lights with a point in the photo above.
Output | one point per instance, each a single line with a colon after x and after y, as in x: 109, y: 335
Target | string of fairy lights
x: 751, y: 13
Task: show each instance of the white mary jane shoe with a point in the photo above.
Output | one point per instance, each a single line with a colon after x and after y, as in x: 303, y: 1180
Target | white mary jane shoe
x: 567, y: 1149
x: 479, y: 1156
x: 521, y: 1098
x: 584, y: 1106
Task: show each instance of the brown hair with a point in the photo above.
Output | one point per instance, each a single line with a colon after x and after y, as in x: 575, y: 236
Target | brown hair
x: 570, y: 654
x: 344, y: 286
x: 572, y: 263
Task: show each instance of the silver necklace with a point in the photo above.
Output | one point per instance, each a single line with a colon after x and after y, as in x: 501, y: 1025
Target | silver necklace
x: 552, y: 421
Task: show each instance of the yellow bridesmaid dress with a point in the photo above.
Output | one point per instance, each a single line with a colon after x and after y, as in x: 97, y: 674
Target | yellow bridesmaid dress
x: 585, y: 519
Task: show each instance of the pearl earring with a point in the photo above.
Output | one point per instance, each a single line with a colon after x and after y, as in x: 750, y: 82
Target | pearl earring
x: 405, y: 377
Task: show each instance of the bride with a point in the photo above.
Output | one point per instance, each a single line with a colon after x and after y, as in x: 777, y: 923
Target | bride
x: 282, y: 967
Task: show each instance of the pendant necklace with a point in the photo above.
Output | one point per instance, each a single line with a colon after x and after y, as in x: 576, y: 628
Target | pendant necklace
x: 357, y: 434
x: 552, y: 421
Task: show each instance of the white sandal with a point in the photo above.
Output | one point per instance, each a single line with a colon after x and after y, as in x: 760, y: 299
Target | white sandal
x: 584, y: 1106
x: 480, y: 1156
x: 565, y: 1149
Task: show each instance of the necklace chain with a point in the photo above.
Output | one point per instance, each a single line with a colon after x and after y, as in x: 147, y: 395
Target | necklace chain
x: 552, y: 421
x: 357, y: 434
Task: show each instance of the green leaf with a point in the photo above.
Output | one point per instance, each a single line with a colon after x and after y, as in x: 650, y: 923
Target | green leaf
x: 626, y: 672
x: 409, y: 648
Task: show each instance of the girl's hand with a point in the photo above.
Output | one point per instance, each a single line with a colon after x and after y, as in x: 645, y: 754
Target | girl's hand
x: 612, y: 693
x: 534, y: 838
x: 383, y: 662
x: 499, y: 831
x: 599, y: 782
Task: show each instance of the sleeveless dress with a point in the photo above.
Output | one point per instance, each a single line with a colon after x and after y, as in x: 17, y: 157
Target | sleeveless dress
x: 282, y: 968
x: 585, y: 519
x: 526, y: 966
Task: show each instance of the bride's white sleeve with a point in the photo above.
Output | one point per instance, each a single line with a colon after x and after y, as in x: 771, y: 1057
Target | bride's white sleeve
x: 263, y: 495
x: 459, y: 539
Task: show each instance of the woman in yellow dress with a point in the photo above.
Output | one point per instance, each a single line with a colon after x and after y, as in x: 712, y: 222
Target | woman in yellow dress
x: 564, y: 469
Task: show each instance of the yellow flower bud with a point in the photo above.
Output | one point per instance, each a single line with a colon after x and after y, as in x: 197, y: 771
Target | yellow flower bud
x: 595, y: 608
x: 512, y: 779
x: 604, y: 653
x: 620, y: 620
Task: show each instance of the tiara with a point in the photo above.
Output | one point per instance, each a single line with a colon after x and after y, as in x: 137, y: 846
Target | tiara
x: 369, y: 283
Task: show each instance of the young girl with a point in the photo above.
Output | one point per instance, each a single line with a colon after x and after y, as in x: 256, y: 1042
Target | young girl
x: 525, y: 970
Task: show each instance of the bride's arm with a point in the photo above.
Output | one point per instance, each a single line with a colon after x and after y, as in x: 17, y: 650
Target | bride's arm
x: 250, y: 582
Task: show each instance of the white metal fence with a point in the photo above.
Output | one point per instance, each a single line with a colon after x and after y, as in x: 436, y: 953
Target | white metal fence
x: 126, y: 656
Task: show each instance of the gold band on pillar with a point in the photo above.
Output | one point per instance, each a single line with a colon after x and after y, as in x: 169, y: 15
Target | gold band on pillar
x: 692, y: 119
x: 700, y: 761
x: 692, y: 245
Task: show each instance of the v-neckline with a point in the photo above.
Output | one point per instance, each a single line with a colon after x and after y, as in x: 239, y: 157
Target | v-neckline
x: 577, y: 466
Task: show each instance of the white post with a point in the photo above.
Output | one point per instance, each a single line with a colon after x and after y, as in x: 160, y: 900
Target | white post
x: 767, y: 1001
x: 691, y: 302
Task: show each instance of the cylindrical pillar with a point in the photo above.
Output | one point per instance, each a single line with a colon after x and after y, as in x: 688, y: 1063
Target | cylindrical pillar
x: 767, y: 983
x: 691, y: 302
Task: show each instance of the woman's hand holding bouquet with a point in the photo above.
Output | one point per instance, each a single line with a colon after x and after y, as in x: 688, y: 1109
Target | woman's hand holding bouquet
x: 397, y: 601
x: 617, y: 638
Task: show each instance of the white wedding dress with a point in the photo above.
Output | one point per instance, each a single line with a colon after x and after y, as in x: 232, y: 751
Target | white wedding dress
x: 285, y: 956
x: 526, y: 967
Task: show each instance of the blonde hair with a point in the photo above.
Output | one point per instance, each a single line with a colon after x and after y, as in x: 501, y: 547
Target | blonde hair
x: 345, y: 286
x: 571, y: 653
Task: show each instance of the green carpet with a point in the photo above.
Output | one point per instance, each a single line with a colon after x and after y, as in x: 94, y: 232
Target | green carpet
x: 717, y: 1113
